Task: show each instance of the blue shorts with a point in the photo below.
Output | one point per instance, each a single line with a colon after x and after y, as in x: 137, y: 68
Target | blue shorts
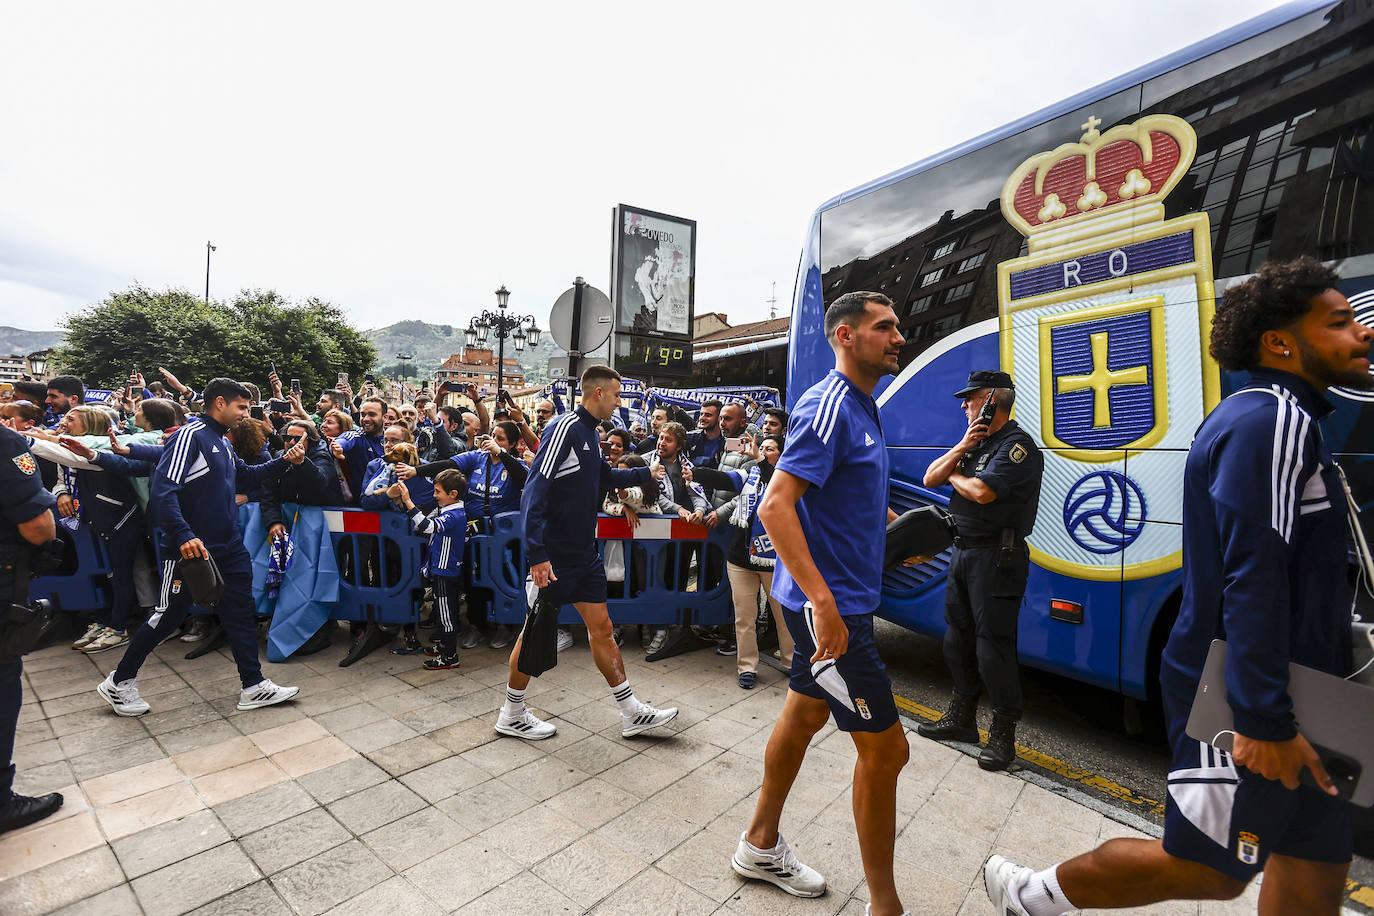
x: 855, y: 685
x: 1227, y: 818
x: 580, y: 581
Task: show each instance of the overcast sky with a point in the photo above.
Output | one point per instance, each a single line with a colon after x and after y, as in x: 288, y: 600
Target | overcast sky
x: 403, y: 160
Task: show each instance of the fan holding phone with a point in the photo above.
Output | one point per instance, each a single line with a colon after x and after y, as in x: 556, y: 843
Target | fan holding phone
x: 994, y: 472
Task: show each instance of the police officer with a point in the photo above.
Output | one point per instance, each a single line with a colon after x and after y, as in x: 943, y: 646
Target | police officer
x: 995, y: 473
x: 27, y: 522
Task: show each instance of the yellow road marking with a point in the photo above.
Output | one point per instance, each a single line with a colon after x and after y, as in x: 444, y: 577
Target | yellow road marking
x: 1045, y: 762
x: 1354, y: 891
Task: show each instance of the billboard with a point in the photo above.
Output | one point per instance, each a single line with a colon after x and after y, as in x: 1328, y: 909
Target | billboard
x: 653, y: 272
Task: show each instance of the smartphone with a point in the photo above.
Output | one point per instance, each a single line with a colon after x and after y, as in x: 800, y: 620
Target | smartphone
x: 369, y: 379
x: 295, y: 386
x: 734, y: 443
x: 343, y: 379
x: 274, y: 366
x: 988, y: 412
x: 279, y: 406
x: 256, y: 412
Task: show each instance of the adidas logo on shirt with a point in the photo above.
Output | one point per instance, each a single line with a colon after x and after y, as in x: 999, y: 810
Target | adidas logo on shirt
x: 214, y: 448
x: 586, y: 447
x: 868, y: 440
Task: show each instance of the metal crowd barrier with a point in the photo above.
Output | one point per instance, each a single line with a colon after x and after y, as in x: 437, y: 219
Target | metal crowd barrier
x: 662, y: 558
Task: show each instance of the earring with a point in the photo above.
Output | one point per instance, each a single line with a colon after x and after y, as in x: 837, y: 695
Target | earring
x: 1286, y: 353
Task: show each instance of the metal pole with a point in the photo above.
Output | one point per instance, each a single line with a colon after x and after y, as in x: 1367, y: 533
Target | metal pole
x: 574, y: 355
x: 208, y: 248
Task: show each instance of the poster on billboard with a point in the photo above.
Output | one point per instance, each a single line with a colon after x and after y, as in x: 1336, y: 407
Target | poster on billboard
x: 653, y: 271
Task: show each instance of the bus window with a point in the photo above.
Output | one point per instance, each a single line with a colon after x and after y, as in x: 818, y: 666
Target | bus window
x: 947, y: 221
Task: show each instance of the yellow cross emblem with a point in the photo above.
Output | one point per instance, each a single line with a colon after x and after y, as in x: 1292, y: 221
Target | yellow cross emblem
x: 1102, y: 380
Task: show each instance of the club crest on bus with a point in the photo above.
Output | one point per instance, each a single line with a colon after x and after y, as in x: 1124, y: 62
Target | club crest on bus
x: 1107, y: 318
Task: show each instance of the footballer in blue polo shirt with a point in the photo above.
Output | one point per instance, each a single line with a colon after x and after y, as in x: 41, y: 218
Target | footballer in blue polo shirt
x: 826, y: 513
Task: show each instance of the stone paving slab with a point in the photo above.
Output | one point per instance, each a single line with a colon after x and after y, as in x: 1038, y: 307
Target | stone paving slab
x: 384, y: 789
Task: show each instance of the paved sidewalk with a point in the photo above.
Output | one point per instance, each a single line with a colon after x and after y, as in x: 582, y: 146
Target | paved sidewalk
x: 385, y: 790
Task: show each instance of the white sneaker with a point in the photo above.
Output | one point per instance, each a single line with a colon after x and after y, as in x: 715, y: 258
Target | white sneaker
x: 1003, y: 881
x: 565, y: 639
x: 265, y: 693
x: 645, y: 719
x: 106, y: 639
x: 122, y: 697
x: 868, y: 910
x: 92, y: 632
x: 526, y: 725
x: 778, y: 866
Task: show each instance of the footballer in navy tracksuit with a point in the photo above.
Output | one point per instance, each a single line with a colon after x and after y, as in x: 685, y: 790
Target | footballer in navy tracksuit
x: 191, y: 497
x: 1265, y: 568
x: 1262, y: 486
x: 558, y: 510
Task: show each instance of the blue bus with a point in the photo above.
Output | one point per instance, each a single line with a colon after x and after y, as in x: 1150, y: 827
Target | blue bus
x: 1082, y: 249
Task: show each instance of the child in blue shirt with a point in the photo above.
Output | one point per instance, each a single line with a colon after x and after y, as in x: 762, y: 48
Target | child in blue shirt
x: 446, y: 528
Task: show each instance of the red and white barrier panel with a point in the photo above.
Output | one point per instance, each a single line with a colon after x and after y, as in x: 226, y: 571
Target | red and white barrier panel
x: 353, y: 522
x: 614, y: 527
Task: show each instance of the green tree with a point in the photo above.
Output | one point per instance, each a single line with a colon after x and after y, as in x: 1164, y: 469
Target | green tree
x: 196, y: 340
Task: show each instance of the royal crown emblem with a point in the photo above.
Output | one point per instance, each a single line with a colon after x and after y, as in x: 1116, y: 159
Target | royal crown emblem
x: 1103, y: 173
x: 1106, y: 318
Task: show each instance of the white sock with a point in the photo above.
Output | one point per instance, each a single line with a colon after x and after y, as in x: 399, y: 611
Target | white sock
x: 515, y: 701
x: 772, y: 850
x: 625, y: 698
x: 1041, y: 895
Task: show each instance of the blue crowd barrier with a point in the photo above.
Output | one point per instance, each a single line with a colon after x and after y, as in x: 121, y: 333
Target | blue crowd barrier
x: 379, y: 561
x: 86, y: 587
x: 651, y: 592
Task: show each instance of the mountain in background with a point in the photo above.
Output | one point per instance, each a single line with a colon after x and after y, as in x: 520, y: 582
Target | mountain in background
x: 431, y: 344
x: 18, y: 342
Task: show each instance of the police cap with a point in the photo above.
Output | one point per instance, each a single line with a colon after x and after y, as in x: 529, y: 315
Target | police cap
x: 984, y: 378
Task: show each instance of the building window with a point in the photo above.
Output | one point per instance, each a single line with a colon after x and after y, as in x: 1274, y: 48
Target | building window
x: 943, y: 326
x: 971, y: 262
x: 933, y: 277
x: 944, y: 249
x: 916, y: 306
x: 962, y: 291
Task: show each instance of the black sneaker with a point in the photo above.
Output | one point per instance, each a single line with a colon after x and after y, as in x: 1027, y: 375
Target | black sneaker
x: 411, y: 646
x: 727, y: 648
x: 21, y: 810
x: 440, y: 662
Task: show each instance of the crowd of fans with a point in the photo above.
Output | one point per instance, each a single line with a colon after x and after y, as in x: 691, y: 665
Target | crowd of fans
x: 435, y: 462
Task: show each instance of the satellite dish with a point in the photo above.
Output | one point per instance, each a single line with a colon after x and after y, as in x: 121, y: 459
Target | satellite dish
x: 594, y: 314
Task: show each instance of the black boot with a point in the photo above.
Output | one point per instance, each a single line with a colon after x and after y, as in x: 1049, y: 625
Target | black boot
x: 21, y: 810
x: 958, y: 724
x: 1001, y: 747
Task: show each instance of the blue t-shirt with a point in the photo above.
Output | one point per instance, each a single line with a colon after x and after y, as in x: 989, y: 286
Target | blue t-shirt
x: 835, y: 443
x: 503, y: 497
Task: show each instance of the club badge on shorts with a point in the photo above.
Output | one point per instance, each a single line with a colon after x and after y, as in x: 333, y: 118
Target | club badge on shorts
x: 1247, y: 847
x: 176, y: 586
x: 862, y: 706
x: 26, y: 463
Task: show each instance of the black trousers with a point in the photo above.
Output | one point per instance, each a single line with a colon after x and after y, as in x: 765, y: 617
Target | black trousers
x: 11, y: 696
x: 982, y: 601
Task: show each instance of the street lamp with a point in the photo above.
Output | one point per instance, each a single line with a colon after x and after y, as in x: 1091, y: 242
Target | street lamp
x: 520, y: 328
x: 405, y: 359
x: 208, y: 248
x: 39, y: 365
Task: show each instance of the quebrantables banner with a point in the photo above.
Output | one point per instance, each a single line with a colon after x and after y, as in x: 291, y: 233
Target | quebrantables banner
x: 654, y: 266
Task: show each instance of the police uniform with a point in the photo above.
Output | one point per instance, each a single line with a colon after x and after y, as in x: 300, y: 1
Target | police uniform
x: 987, y: 572
x: 22, y: 498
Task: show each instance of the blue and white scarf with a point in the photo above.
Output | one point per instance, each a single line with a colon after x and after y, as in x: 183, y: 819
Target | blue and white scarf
x: 746, y: 515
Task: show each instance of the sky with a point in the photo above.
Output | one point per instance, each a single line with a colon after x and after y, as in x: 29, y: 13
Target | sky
x: 403, y: 160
